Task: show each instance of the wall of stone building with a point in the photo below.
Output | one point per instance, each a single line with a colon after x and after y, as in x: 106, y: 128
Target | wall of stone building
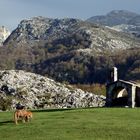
x: 116, y: 96
x: 119, y: 92
x: 137, y: 97
x: 133, y: 96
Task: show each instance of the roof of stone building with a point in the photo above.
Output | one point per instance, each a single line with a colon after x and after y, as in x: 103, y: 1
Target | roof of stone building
x: 126, y: 82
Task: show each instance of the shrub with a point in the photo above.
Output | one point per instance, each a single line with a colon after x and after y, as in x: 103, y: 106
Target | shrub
x: 5, y: 103
x: 97, y: 89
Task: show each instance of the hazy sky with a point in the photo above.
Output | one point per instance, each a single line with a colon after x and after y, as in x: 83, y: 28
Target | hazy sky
x: 13, y: 11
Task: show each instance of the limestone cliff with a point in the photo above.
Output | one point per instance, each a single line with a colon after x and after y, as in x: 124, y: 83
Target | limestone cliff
x: 4, y: 33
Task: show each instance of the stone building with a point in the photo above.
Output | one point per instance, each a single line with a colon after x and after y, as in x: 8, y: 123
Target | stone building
x: 122, y: 93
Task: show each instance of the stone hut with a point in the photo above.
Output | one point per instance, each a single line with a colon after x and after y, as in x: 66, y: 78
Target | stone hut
x: 122, y: 93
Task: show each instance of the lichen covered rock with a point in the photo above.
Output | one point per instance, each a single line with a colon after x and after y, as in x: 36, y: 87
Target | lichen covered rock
x: 35, y: 91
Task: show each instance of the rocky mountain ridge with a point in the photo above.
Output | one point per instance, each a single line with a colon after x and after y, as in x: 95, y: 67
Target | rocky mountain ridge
x: 69, y: 32
x: 35, y: 91
x: 120, y: 20
x: 113, y: 18
x: 41, y: 28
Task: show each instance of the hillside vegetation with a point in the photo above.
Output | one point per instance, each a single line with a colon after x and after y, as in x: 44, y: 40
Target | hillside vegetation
x: 72, y: 66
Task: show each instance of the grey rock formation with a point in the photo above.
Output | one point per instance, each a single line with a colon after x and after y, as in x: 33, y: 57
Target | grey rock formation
x: 4, y: 33
x: 132, y: 29
x: 41, y: 28
x: 35, y: 91
x: 69, y: 32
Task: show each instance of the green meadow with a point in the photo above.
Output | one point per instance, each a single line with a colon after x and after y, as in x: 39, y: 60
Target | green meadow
x: 74, y: 124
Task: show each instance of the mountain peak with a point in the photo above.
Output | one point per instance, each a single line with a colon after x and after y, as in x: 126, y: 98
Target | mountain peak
x: 113, y: 18
x: 122, y: 12
x: 43, y: 28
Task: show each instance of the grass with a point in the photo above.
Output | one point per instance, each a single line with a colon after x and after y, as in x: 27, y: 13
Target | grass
x: 79, y: 124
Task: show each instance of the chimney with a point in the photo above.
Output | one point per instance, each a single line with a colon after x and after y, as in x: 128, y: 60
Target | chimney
x: 114, y: 75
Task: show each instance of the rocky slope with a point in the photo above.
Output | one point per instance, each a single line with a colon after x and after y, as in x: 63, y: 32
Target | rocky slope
x: 132, y: 29
x: 41, y: 28
x: 68, y: 32
x: 4, y: 33
x: 120, y: 20
x: 35, y: 91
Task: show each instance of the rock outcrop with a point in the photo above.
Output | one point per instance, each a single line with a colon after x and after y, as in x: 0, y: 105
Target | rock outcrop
x: 4, y: 33
x: 131, y: 29
x: 35, y: 91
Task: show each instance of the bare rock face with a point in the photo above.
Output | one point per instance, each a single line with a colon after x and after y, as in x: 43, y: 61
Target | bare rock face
x: 35, y: 91
x: 4, y: 33
x: 69, y: 32
x: 41, y: 28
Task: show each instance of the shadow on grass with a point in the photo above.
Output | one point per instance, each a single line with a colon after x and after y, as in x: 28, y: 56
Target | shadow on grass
x: 63, y: 109
x: 52, y: 110
x: 6, y: 122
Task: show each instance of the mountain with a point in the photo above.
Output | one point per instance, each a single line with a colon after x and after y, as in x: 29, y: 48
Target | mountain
x: 120, y: 20
x: 69, y: 50
x: 41, y: 28
x: 68, y: 32
x: 115, y: 17
x: 4, y: 33
x: 35, y: 91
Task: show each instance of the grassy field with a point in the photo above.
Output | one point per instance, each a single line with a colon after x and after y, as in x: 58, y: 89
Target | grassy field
x: 79, y: 124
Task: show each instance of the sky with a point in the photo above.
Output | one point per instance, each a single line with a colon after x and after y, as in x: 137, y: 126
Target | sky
x: 13, y: 11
